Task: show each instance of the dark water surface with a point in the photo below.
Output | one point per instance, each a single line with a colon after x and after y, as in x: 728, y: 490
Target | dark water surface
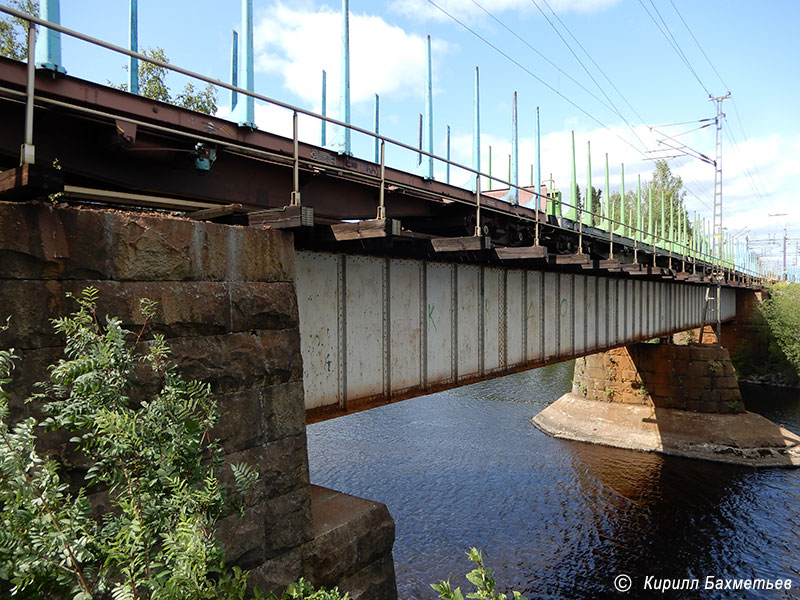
x: 558, y: 519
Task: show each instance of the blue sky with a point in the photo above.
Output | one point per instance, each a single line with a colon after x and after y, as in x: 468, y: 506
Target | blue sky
x: 752, y: 49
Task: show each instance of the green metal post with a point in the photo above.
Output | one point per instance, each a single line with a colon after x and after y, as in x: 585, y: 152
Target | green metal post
x: 572, y: 211
x: 671, y: 228
x: 620, y: 230
x: 606, y: 206
x: 588, y: 219
x: 638, y: 234
x: 650, y: 234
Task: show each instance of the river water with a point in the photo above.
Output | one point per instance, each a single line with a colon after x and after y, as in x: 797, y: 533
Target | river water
x: 554, y: 518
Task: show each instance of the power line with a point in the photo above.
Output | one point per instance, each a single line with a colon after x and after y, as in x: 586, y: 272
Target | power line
x: 725, y: 85
x: 589, y: 56
x: 745, y: 136
x: 588, y: 72
x: 748, y: 173
x: 550, y: 62
x: 754, y: 184
x: 672, y: 42
x: 536, y: 77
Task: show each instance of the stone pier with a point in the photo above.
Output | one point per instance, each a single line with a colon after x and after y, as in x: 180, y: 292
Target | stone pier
x: 227, y: 306
x: 681, y: 400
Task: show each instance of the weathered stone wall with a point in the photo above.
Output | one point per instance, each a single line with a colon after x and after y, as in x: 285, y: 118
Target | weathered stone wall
x: 228, y: 308
x: 697, y: 378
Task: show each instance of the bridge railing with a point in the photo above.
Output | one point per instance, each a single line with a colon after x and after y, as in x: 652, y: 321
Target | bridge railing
x: 619, y: 230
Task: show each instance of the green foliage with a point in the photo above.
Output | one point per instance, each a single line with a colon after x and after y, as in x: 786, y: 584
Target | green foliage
x: 13, y: 31
x: 153, y: 84
x: 203, y: 100
x: 481, y: 577
x: 303, y: 590
x: 152, y: 77
x: 155, y: 461
x: 715, y: 367
x: 781, y: 311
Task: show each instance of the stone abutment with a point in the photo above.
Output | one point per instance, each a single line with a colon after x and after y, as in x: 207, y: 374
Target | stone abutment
x: 227, y: 306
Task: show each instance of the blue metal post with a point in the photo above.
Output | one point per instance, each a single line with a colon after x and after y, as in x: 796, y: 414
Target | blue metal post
x: 247, y: 109
x: 133, y: 74
x: 428, y: 170
x: 476, y: 132
x: 515, y: 151
x: 234, y: 68
x: 447, y: 168
x: 324, y: 124
x: 48, y: 43
x: 538, y: 155
x: 513, y: 192
x: 377, y: 129
x: 344, y: 92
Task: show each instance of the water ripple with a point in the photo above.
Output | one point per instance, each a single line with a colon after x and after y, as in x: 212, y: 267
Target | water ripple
x: 556, y: 519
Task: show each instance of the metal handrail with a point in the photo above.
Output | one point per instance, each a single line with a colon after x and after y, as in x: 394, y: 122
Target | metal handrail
x: 685, y: 247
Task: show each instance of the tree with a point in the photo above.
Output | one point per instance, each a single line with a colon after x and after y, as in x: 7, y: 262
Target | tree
x: 14, y: 31
x: 152, y: 84
x: 152, y: 78
x: 595, y: 205
x: 204, y: 101
x: 664, y: 184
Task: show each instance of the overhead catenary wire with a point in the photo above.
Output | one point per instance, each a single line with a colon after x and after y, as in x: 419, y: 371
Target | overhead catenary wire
x: 686, y: 25
x: 588, y: 72
x: 543, y: 56
x: 754, y: 183
x: 665, y: 31
x: 594, y: 62
x: 532, y: 74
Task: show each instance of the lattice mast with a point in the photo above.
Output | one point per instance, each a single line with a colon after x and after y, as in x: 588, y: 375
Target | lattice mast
x: 719, y: 240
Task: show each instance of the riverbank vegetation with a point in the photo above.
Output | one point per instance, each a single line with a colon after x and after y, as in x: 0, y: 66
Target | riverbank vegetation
x: 774, y: 349
x: 106, y: 497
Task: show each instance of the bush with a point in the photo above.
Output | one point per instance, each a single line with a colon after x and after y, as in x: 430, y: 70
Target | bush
x: 481, y: 577
x: 782, y: 313
x: 155, y: 461
x: 775, y: 344
x: 157, y: 464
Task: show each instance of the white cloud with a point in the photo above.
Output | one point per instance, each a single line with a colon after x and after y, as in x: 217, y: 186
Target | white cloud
x: 298, y: 43
x: 460, y: 9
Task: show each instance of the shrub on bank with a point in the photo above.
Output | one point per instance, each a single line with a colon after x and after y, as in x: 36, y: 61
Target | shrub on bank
x: 152, y: 462
x: 775, y: 344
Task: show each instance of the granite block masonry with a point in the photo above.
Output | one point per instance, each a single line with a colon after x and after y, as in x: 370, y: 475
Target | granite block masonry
x: 228, y: 308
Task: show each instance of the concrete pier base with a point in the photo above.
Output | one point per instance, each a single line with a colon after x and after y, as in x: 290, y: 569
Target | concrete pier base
x: 677, y: 400
x: 740, y: 438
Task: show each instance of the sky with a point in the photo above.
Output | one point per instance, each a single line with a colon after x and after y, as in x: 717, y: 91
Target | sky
x: 617, y: 73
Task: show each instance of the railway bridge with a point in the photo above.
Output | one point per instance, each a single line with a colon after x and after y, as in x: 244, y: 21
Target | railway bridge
x: 302, y: 283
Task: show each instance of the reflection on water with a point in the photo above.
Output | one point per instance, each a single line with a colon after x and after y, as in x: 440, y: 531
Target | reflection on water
x: 557, y: 519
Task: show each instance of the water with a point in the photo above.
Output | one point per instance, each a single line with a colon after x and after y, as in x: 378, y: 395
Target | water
x: 558, y: 519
